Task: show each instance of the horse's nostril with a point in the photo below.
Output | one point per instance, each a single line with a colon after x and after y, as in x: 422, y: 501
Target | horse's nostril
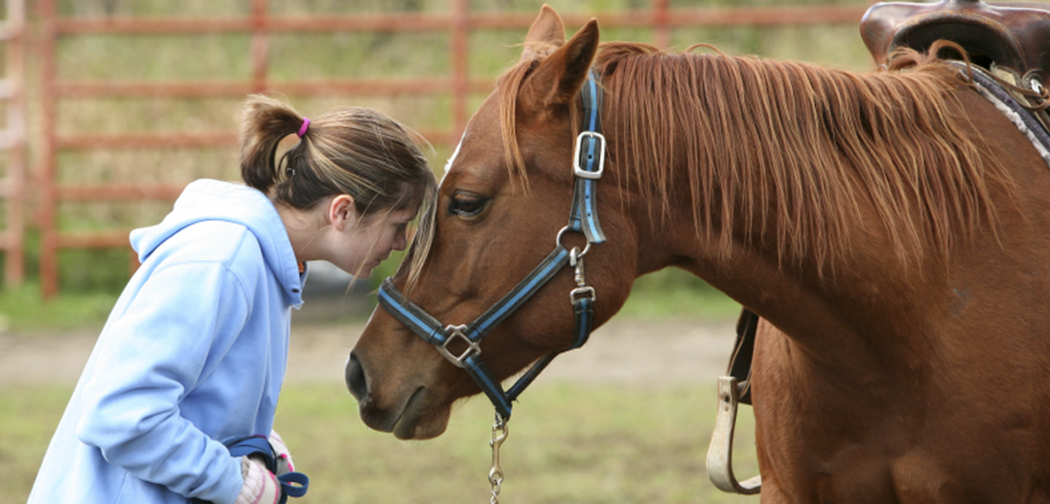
x: 355, y: 378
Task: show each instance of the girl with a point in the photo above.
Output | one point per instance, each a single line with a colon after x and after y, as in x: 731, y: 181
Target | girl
x: 195, y: 349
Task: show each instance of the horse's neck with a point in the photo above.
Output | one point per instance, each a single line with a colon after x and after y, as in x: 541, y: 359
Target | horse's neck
x: 806, y: 299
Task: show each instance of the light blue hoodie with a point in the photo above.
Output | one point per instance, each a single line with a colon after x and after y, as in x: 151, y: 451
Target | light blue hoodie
x: 193, y: 353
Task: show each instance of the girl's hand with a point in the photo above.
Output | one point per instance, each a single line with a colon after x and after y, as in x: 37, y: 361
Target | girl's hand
x: 284, y: 457
x: 260, y: 485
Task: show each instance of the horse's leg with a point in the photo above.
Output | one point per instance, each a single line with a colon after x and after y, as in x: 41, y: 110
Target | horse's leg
x: 794, y: 432
x: 772, y: 491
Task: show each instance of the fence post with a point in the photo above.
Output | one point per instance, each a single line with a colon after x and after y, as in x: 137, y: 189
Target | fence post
x: 46, y: 182
x: 661, y: 33
x: 14, y: 262
x: 260, y: 45
x: 460, y: 67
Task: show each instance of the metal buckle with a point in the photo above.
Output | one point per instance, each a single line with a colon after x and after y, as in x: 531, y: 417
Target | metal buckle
x: 580, y: 293
x: 580, y: 172
x: 472, y: 346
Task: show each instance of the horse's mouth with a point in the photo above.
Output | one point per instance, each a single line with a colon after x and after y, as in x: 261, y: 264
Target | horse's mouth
x: 415, y: 420
x: 406, y: 423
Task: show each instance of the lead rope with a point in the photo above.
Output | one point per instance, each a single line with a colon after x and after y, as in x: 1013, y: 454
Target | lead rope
x: 499, y: 435
x: 499, y: 428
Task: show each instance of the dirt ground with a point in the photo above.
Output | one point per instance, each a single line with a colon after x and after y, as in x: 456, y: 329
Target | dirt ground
x: 628, y: 351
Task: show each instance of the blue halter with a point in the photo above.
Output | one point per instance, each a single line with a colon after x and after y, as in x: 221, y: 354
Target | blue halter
x: 589, y: 160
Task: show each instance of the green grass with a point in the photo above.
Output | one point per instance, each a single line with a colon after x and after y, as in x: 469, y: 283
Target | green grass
x: 566, y: 443
x: 29, y: 416
x: 24, y: 310
x: 673, y: 293
x: 670, y: 293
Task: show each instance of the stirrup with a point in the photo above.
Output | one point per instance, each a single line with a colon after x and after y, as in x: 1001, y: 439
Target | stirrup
x: 720, y: 453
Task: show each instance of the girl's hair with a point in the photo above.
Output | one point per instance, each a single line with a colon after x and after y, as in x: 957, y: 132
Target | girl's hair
x: 350, y: 150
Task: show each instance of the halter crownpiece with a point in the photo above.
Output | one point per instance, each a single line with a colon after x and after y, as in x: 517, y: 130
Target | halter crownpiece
x: 588, y: 165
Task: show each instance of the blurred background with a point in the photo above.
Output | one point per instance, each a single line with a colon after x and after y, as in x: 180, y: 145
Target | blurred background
x: 111, y: 106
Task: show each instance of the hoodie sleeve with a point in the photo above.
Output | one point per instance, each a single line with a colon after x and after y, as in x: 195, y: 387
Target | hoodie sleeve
x: 182, y: 320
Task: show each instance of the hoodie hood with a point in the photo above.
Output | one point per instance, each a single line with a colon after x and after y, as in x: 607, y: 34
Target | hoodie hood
x: 213, y: 200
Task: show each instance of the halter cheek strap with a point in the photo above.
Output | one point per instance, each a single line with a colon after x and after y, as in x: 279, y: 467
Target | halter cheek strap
x: 588, y: 165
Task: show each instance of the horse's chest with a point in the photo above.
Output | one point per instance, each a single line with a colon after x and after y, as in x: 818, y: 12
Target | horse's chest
x: 824, y: 442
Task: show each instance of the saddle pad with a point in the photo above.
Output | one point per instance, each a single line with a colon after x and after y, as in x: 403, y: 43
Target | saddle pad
x: 1020, y: 116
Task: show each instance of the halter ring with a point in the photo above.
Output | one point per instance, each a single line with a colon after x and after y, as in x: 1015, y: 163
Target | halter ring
x: 557, y: 241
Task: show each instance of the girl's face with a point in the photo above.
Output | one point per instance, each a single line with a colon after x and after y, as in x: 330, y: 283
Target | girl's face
x: 362, y: 242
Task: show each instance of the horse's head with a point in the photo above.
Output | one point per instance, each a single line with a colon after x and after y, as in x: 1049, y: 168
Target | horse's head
x: 506, y: 194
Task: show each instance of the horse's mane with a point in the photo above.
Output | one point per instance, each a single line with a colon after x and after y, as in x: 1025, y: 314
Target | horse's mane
x: 804, y: 143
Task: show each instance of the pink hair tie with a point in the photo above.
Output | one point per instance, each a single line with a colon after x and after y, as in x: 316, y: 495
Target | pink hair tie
x: 304, y: 127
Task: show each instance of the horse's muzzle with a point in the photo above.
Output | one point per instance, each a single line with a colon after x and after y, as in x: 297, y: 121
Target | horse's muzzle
x: 356, y: 381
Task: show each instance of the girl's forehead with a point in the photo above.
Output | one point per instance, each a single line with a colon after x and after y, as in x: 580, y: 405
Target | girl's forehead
x: 404, y: 214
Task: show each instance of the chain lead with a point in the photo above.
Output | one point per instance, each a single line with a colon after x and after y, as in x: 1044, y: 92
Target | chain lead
x: 499, y: 435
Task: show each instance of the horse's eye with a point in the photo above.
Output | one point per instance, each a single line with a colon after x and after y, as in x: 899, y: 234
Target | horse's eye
x: 466, y: 204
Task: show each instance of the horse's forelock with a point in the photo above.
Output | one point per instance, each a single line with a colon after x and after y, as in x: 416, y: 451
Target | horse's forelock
x: 507, y: 88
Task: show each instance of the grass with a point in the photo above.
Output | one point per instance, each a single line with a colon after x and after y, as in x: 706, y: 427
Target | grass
x: 566, y: 443
x: 24, y: 311
x: 671, y: 293
x: 668, y: 293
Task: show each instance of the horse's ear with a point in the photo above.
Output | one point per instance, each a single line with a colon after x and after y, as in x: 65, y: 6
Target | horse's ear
x: 546, y: 31
x: 558, y: 78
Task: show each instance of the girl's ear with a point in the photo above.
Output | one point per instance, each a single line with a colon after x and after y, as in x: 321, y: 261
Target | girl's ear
x: 342, y: 212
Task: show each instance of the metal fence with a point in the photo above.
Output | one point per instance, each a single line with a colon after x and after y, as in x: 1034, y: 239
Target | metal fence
x: 260, y: 25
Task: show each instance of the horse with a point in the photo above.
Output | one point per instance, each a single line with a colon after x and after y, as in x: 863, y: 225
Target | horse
x: 890, y: 228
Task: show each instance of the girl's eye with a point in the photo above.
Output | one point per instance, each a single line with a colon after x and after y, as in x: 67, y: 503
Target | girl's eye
x: 466, y: 205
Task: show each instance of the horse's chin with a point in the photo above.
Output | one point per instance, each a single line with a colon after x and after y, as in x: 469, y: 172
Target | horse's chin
x: 417, y: 428
x: 418, y: 418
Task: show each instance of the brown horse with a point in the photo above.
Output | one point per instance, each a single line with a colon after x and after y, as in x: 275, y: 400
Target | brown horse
x: 892, y: 228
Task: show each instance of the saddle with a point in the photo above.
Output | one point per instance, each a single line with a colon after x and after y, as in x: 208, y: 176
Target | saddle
x: 1010, y: 35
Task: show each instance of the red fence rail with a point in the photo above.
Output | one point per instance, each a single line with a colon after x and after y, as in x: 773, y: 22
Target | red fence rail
x: 458, y: 84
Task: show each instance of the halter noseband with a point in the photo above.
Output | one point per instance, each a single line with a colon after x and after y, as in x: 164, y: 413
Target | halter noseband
x: 588, y: 164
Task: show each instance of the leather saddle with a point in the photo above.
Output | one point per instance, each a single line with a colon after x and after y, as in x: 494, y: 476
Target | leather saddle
x: 1013, y: 35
